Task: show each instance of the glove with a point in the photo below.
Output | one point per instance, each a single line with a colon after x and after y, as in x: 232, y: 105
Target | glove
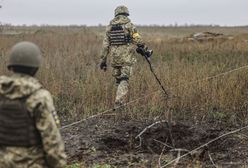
x: 144, y: 51
x: 103, y: 66
x: 140, y: 49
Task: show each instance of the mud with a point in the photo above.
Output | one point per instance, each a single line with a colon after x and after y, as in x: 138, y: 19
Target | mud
x: 114, y: 142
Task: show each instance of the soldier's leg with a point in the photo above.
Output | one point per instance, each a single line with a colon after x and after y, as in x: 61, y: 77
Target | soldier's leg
x: 123, y: 87
x: 122, y: 91
x: 117, y: 74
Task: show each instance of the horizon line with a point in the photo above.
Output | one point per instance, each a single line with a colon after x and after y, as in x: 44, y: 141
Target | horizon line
x: 104, y: 25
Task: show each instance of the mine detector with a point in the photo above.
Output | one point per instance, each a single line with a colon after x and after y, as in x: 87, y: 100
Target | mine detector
x: 146, y: 53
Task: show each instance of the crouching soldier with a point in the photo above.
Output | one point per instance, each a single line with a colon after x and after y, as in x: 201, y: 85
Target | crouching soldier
x: 29, y: 134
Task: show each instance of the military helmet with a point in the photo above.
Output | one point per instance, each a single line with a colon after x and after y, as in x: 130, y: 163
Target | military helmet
x: 121, y: 10
x: 25, y: 54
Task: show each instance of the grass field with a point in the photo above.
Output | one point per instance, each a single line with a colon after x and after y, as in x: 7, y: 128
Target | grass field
x: 194, y: 72
x: 70, y: 71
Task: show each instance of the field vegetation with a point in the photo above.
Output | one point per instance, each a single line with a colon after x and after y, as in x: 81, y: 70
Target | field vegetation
x: 70, y: 71
x: 186, y: 68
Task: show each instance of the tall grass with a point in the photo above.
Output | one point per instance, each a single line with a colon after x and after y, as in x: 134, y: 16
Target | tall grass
x: 70, y: 71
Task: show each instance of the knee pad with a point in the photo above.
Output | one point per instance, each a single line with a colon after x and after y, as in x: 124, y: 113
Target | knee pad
x: 124, y: 78
x: 118, y: 80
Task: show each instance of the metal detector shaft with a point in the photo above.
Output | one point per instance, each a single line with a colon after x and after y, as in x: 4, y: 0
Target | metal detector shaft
x: 156, y: 77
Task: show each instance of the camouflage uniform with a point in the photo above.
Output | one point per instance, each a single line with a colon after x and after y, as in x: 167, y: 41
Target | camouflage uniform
x: 122, y: 55
x: 40, y: 105
x: 29, y: 134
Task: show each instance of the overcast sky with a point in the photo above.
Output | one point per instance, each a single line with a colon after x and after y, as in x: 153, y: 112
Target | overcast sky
x: 142, y: 12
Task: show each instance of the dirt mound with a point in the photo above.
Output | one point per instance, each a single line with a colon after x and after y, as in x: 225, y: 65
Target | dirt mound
x: 117, y: 143
x: 207, y: 36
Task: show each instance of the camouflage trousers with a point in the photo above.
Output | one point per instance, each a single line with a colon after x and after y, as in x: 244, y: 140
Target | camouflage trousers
x: 20, y: 157
x: 122, y: 74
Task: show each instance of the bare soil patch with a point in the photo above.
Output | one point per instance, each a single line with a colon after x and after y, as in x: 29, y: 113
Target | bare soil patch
x: 113, y: 142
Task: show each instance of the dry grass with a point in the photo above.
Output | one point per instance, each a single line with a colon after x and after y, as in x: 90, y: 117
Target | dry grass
x: 70, y: 71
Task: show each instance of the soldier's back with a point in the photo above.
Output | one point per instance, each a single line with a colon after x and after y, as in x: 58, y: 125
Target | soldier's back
x: 14, y: 92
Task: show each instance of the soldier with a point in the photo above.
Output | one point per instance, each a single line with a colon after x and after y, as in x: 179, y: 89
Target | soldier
x: 120, y: 35
x: 29, y: 134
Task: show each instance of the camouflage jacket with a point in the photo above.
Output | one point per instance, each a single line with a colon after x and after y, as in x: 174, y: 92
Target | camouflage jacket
x: 124, y: 54
x: 40, y: 105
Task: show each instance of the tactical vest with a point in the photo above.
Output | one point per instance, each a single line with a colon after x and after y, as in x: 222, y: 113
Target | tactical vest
x: 117, y: 36
x: 17, y: 127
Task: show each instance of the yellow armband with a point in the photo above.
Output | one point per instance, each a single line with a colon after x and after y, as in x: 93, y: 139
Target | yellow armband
x: 136, y: 35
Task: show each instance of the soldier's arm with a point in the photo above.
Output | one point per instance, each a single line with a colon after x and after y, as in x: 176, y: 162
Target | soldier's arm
x: 45, y: 116
x: 105, y: 46
x: 135, y: 35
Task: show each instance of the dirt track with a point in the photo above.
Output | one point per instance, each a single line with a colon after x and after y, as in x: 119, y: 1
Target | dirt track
x: 114, y: 143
